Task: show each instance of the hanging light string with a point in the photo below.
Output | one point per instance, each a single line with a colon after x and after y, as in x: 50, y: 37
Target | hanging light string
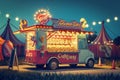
x: 94, y: 23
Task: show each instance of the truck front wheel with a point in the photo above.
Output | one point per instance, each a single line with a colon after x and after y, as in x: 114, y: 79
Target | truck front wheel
x: 53, y: 64
x: 90, y: 63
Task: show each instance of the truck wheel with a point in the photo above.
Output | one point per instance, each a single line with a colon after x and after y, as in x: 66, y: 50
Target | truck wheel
x: 53, y: 64
x: 90, y: 63
x: 73, y: 65
x: 39, y: 66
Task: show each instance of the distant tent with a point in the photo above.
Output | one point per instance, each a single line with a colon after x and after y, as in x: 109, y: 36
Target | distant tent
x: 103, y: 45
x: 10, y: 42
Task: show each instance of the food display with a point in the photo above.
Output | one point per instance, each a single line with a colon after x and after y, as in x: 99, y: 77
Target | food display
x: 62, y: 41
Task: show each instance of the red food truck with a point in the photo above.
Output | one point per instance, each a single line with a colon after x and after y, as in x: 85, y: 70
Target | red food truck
x: 61, y: 43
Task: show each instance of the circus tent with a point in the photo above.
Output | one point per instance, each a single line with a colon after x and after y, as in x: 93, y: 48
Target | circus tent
x: 8, y: 41
x: 103, y: 45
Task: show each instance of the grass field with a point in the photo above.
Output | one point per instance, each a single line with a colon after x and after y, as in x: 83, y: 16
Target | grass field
x: 6, y: 74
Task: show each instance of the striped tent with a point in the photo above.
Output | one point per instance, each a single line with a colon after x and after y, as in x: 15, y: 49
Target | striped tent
x: 103, y: 45
x: 10, y: 41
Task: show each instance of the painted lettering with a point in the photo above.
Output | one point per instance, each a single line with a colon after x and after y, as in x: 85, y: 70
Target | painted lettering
x: 64, y: 23
x: 67, y: 56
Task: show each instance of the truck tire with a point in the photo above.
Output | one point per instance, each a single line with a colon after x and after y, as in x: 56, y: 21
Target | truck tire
x: 73, y: 65
x: 53, y: 64
x: 39, y: 66
x: 90, y: 63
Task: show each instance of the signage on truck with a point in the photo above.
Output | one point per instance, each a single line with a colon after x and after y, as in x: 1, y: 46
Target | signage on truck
x: 66, y: 56
x: 62, y: 24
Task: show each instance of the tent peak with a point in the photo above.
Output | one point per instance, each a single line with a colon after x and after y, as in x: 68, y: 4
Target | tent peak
x: 103, y: 22
x: 8, y: 21
x: 103, y: 36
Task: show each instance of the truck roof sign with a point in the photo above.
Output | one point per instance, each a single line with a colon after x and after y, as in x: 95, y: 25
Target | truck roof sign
x: 62, y: 24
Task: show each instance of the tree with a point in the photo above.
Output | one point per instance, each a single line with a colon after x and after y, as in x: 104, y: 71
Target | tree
x: 91, y: 38
x: 116, y: 41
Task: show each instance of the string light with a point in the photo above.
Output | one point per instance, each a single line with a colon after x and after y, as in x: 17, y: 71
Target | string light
x: 108, y: 20
x: 115, y: 18
x: 99, y: 22
x: 7, y: 15
x: 17, y: 19
x: 94, y: 23
x: 46, y: 11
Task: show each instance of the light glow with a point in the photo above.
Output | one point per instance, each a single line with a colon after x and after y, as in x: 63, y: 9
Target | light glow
x: 7, y: 15
x: 94, y: 23
x: 88, y: 40
x: 108, y: 20
x: 42, y: 16
x: 84, y: 22
x: 87, y: 25
x: 99, y: 22
x: 116, y: 18
x: 17, y: 19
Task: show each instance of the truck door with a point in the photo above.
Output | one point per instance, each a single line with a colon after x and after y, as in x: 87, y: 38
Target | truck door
x: 83, y: 48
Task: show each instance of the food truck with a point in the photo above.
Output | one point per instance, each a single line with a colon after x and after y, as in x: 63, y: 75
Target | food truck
x: 61, y: 43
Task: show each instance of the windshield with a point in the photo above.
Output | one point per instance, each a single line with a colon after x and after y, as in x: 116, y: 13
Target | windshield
x: 82, y: 43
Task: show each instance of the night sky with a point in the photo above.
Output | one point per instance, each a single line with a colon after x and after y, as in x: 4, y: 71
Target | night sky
x: 91, y: 10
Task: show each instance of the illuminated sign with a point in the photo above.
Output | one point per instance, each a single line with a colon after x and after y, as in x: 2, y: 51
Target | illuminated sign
x: 23, y: 24
x: 61, y: 24
x: 42, y: 16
